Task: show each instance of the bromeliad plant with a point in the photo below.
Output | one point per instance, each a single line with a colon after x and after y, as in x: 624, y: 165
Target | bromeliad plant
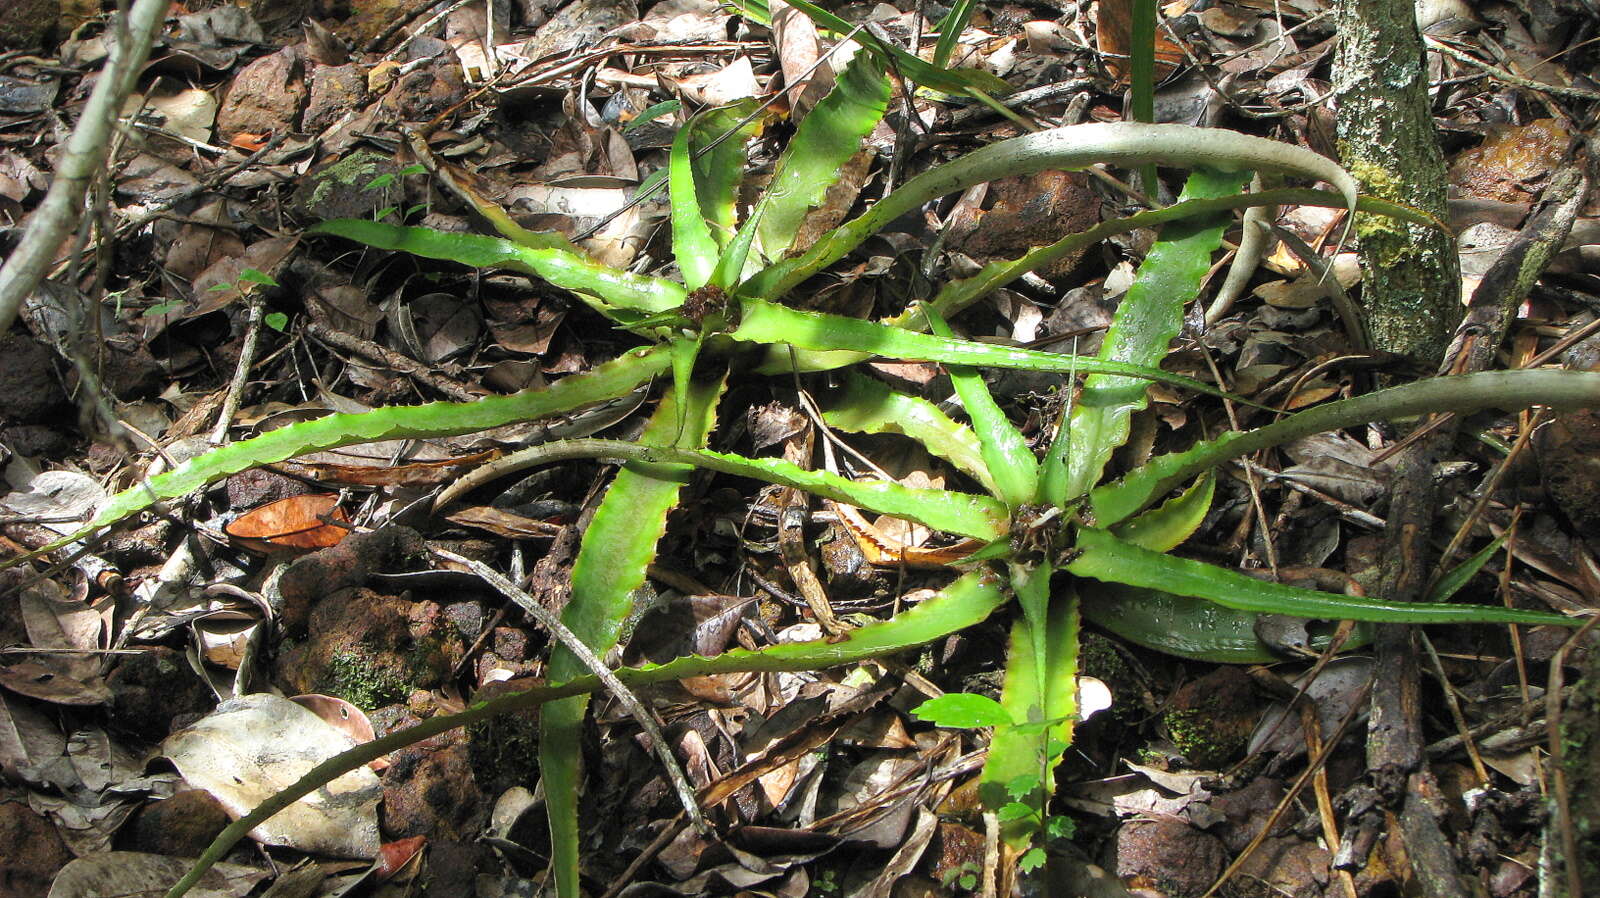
x: 1039, y: 518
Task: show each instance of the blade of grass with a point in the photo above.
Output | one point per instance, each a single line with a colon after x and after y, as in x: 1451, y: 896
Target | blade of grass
x: 607, y: 288
x: 1114, y: 502
x: 828, y: 137
x: 437, y: 419
x: 764, y: 322
x: 869, y: 406
x: 964, y: 514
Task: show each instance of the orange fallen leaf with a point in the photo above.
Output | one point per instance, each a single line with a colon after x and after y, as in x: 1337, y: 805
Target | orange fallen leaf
x: 248, y: 141
x: 298, y: 522
x: 393, y: 856
x: 1114, y: 36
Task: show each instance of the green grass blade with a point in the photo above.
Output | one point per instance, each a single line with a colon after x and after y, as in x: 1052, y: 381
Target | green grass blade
x: 764, y: 322
x: 1110, y: 559
x: 958, y: 294
x: 617, y: 547
x: 1148, y: 318
x: 826, y: 139
x: 967, y: 601
x: 965, y: 514
x: 870, y: 406
x: 1142, y: 72
x: 692, y: 244
x: 1074, y: 147
x: 435, y: 419
x: 1509, y: 390
x: 1011, y: 463
x: 950, y: 28
x: 1458, y: 576
x: 966, y: 82
x: 613, y: 289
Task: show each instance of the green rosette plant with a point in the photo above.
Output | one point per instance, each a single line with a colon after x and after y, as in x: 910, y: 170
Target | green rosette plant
x: 1051, y: 527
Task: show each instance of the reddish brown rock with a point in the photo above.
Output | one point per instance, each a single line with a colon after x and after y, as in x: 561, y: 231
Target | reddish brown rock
x: 28, y: 386
x: 308, y: 580
x: 1210, y: 719
x: 335, y: 90
x: 372, y: 650
x: 265, y: 96
x: 1172, y: 859
x: 429, y: 790
x: 24, y: 24
x: 422, y: 94
x: 1569, y: 457
x: 30, y: 852
x: 180, y: 826
x: 149, y: 690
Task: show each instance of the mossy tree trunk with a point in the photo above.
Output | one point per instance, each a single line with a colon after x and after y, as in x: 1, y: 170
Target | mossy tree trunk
x: 1411, y: 292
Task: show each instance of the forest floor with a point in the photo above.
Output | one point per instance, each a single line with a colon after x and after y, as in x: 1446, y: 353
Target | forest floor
x: 253, y: 122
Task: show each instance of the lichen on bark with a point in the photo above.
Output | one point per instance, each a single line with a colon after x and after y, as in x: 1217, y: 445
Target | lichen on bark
x: 1411, y: 283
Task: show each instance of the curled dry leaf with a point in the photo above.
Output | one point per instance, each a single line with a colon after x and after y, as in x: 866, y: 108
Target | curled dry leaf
x: 37, y: 681
x: 121, y: 873
x: 253, y: 746
x: 298, y: 522
x: 342, y: 716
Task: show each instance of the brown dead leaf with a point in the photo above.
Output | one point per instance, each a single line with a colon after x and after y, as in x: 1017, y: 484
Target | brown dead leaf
x: 219, y: 284
x: 1114, y: 36
x: 394, y: 856
x: 298, y: 522
x: 502, y: 523
x: 417, y: 473
x: 38, y: 681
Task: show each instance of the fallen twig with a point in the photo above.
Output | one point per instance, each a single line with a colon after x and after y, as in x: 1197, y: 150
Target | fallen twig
x: 622, y: 693
x: 84, y: 153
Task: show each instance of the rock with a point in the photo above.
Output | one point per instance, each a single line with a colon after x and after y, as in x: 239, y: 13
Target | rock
x: 454, y: 867
x: 1166, y: 858
x: 335, y: 90
x: 24, y: 25
x: 372, y: 650
x: 1210, y: 719
x: 36, y: 441
x: 579, y: 25
x: 1569, y: 456
x: 429, y: 790
x: 369, y: 19
x: 258, y: 486
x: 307, y: 580
x: 29, y: 390
x: 150, y: 689
x: 420, y: 95
x: 265, y: 96
x: 181, y: 826
x: 30, y: 852
x: 344, y: 188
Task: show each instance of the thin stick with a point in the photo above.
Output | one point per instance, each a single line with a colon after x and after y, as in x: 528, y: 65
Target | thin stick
x: 1314, y: 764
x: 85, y: 152
x: 1558, y: 771
x: 1499, y: 74
x: 582, y: 652
x: 241, y: 373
